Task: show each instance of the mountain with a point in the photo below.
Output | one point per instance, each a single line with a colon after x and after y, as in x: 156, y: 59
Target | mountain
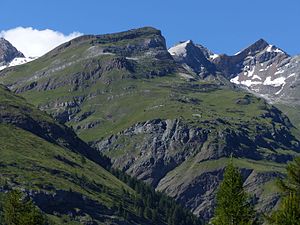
x: 8, y: 52
x: 194, y: 58
x: 10, y: 56
x: 276, y: 81
x: 65, y: 177
x: 258, y: 53
x: 261, y: 68
x: 267, y: 71
x: 157, y: 119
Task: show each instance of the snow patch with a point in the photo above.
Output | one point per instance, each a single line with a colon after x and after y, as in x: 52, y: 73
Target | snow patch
x: 180, y: 49
x: 235, y: 80
x: 251, y: 72
x: 272, y: 48
x: 249, y: 83
x: 213, y: 56
x: 18, y: 61
x: 276, y: 82
x: 291, y: 75
x: 278, y: 92
x: 249, y: 57
x: 2, y: 67
x: 256, y: 77
x: 284, y: 83
x: 279, y: 72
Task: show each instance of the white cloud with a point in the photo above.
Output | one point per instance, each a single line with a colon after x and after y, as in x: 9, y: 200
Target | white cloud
x: 35, y: 43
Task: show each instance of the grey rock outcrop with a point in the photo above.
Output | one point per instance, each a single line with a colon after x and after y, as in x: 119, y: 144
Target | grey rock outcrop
x: 194, y: 58
x: 8, y: 52
x: 169, y: 154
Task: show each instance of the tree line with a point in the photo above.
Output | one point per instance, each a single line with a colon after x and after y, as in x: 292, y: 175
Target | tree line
x: 155, y: 206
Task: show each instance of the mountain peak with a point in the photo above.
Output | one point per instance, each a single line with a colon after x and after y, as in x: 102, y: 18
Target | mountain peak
x: 147, y: 29
x: 180, y: 49
x: 257, y: 46
x: 131, y: 34
x: 8, y: 52
x: 193, y: 57
x: 261, y: 41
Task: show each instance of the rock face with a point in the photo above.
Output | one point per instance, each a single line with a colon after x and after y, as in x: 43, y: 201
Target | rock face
x: 194, y: 58
x: 8, y: 52
x: 276, y: 79
x: 171, y: 155
x: 258, y: 52
x: 10, y: 56
x: 265, y: 71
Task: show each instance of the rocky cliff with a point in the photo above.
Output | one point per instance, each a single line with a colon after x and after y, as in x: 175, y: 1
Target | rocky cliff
x: 8, y: 52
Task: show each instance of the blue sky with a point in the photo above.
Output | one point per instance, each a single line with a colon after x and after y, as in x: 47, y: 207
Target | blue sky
x: 224, y: 26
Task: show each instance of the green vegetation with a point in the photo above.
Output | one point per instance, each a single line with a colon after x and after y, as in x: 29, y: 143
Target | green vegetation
x: 293, y: 113
x: 288, y: 213
x: 18, y: 210
x: 69, y: 187
x: 289, y: 209
x: 233, y: 204
x: 154, y: 205
x: 191, y: 169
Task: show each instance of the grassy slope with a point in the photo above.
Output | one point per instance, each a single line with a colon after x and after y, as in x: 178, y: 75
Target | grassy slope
x: 127, y: 102
x: 31, y: 162
x: 188, y: 170
x: 44, y: 169
x: 293, y: 113
x: 120, y: 104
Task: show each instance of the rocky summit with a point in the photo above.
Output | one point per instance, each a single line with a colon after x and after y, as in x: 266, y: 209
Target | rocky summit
x: 10, y: 56
x: 194, y: 58
x: 8, y: 52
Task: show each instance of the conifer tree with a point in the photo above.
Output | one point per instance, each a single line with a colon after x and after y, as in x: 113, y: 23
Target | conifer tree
x: 19, y: 211
x: 289, y: 209
x: 288, y: 213
x: 233, y: 205
x: 292, y: 181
